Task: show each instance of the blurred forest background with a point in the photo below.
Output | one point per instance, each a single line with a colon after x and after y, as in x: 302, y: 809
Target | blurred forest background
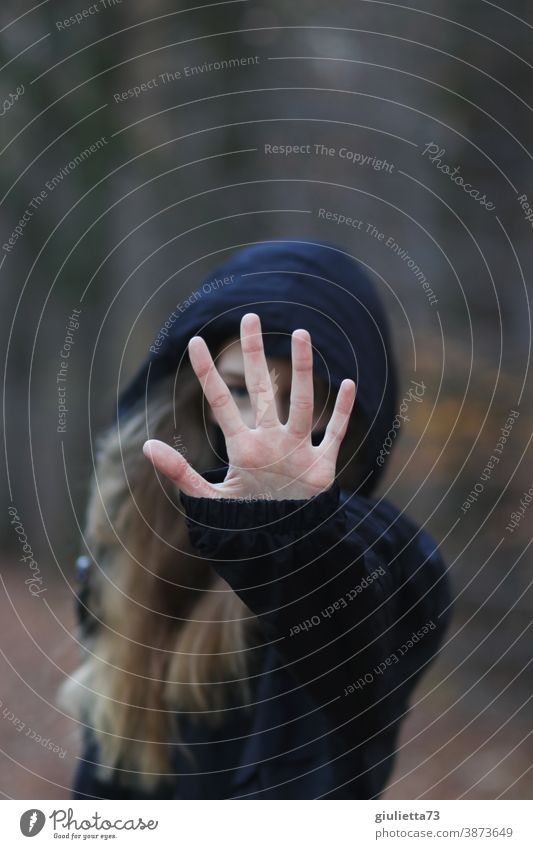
x: 179, y: 180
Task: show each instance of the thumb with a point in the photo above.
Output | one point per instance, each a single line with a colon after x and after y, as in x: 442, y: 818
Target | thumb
x: 174, y: 465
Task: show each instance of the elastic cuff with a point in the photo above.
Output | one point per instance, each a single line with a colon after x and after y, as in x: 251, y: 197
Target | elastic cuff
x: 290, y: 514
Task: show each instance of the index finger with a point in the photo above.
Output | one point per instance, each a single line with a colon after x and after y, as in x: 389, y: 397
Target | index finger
x: 215, y: 390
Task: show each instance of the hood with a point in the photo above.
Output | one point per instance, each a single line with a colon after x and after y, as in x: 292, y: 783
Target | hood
x: 291, y: 284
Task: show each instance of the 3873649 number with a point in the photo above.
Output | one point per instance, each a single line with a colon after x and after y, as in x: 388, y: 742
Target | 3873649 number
x: 484, y: 831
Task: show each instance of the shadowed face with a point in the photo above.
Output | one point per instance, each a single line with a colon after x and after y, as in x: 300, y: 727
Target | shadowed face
x: 231, y: 368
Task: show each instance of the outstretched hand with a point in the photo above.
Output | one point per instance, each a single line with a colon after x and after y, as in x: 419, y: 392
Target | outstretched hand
x: 272, y: 460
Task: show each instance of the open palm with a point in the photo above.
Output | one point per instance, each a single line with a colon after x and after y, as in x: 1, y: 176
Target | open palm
x: 271, y: 460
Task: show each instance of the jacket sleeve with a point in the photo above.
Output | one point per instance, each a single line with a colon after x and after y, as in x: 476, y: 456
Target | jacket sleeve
x: 87, y: 785
x: 355, y: 597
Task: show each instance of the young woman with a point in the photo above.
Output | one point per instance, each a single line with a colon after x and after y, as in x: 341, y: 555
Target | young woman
x: 254, y: 621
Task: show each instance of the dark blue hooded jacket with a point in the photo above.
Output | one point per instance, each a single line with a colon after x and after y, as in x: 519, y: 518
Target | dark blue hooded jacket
x: 352, y: 598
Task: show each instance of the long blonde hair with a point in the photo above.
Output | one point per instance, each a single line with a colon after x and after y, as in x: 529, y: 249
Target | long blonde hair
x: 170, y: 636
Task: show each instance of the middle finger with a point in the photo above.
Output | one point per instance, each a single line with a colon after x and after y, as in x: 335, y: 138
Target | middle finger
x: 256, y: 372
